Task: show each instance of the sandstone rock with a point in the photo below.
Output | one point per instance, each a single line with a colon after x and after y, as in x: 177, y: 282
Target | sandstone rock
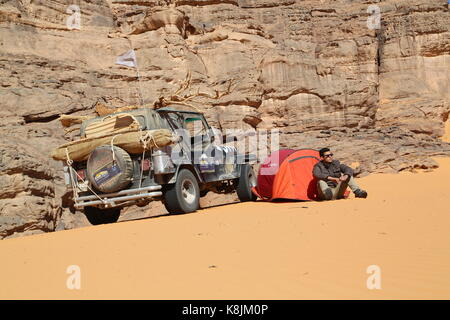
x: 312, y: 69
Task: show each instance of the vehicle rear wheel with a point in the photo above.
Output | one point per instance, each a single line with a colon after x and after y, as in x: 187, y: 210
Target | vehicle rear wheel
x: 246, y: 181
x: 107, y: 175
x: 98, y: 216
x: 182, y: 196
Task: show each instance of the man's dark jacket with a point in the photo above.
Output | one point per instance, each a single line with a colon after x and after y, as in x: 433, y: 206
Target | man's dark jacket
x: 322, y: 170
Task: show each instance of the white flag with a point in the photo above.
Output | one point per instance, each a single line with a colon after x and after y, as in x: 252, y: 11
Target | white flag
x: 127, y: 59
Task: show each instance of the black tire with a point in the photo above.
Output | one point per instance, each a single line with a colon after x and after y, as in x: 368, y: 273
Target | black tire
x: 107, y: 175
x: 246, y: 181
x: 98, y: 216
x: 182, y: 196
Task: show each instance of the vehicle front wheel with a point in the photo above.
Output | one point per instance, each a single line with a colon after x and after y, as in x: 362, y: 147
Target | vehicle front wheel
x: 98, y: 216
x: 246, y: 181
x: 182, y: 196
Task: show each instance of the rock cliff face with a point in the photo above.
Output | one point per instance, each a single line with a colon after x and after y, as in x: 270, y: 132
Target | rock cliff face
x: 321, y: 71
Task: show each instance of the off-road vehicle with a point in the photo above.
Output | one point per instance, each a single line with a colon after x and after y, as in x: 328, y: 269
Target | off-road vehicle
x: 178, y: 174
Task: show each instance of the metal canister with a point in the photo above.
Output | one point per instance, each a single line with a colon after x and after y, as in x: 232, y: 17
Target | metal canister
x: 162, y: 164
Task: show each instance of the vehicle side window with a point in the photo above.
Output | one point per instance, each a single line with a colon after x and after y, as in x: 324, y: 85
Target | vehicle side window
x: 195, y: 126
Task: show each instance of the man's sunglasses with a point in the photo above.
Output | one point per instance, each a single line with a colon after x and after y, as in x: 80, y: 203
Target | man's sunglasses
x: 327, y: 155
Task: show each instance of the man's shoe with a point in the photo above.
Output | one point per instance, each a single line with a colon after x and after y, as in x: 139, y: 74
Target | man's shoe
x: 328, y: 194
x: 360, y: 193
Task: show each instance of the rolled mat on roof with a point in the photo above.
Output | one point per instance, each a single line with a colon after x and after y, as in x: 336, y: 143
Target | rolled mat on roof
x: 131, y: 140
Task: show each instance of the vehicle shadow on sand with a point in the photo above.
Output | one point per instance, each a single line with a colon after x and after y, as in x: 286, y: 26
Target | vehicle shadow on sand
x: 166, y: 214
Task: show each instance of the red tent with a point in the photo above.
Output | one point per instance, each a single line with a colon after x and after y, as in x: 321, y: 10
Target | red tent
x: 267, y: 171
x: 290, y: 175
x: 295, y: 180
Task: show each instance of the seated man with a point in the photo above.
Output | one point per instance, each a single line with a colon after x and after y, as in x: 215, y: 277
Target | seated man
x: 334, y: 177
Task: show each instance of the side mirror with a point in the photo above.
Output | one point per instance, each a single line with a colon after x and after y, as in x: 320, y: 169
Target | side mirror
x: 216, y: 134
x: 226, y: 139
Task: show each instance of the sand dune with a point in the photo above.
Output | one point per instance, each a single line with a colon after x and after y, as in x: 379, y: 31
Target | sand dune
x: 292, y: 250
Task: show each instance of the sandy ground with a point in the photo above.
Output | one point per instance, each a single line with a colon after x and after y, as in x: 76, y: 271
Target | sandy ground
x: 293, y: 250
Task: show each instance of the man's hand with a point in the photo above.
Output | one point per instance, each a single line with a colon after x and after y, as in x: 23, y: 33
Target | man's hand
x: 343, y: 178
x: 334, y: 179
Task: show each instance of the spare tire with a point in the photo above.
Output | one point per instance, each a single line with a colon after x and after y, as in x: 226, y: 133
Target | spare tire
x: 106, y: 174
